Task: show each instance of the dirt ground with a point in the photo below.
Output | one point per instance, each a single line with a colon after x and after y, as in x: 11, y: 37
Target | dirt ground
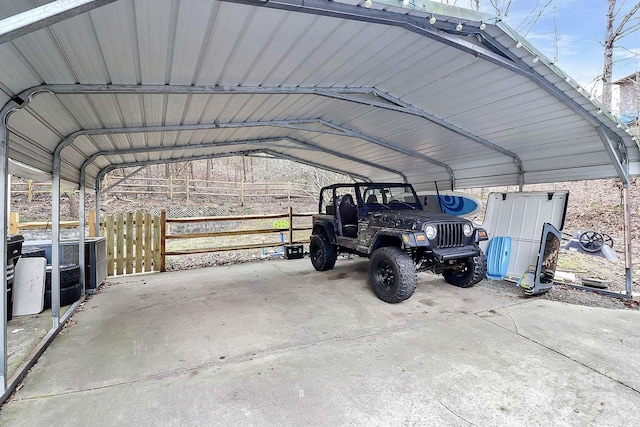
x: 593, y: 205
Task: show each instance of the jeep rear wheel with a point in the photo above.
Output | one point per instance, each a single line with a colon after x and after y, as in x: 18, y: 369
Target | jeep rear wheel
x: 468, y: 273
x: 392, y: 274
x: 322, y: 253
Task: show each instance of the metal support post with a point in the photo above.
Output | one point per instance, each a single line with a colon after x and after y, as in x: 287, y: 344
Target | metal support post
x: 4, y: 170
x: 81, y: 233
x: 55, y: 243
x: 626, y: 202
x: 98, y: 196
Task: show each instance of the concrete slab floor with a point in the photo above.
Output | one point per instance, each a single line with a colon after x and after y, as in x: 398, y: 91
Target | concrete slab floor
x: 24, y: 333
x: 277, y: 343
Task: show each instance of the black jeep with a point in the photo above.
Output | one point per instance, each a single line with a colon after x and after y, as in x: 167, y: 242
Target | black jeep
x: 387, y: 223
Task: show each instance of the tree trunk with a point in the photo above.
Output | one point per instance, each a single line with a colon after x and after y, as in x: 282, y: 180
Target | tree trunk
x: 149, y: 178
x: 609, y: 40
x: 208, y: 172
x: 244, y: 169
x: 73, y: 206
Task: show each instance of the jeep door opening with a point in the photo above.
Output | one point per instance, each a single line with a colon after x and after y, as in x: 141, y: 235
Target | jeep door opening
x: 388, y: 224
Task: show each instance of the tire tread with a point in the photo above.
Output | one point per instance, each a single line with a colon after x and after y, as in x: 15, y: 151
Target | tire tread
x: 329, y: 252
x: 406, y: 272
x: 478, y: 272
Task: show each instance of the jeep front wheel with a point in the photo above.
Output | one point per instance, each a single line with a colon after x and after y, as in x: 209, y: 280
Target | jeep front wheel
x: 392, y: 274
x: 322, y: 253
x: 468, y: 273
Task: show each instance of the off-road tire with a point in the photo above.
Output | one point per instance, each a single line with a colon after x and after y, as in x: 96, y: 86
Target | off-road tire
x: 68, y: 295
x: 323, y: 254
x: 69, y: 276
x: 392, y: 274
x: 473, y: 271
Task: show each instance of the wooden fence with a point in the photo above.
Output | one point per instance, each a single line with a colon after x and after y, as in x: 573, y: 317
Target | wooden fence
x: 287, y: 227
x: 187, y: 189
x: 137, y: 242
x: 134, y: 243
x: 15, y: 225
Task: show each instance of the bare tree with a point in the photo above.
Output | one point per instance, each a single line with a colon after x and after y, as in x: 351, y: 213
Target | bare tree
x: 501, y: 7
x: 474, y: 4
x: 207, y: 176
x: 619, y: 25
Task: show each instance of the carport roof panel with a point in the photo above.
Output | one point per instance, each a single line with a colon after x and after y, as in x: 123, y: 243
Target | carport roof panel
x: 372, y: 91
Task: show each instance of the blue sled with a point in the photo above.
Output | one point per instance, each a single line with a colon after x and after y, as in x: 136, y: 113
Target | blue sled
x: 498, y: 257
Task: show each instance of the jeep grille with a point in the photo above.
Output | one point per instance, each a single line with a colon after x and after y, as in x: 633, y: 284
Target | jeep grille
x: 450, y: 235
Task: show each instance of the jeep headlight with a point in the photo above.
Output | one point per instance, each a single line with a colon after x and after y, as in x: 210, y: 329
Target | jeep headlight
x: 467, y: 229
x: 431, y: 231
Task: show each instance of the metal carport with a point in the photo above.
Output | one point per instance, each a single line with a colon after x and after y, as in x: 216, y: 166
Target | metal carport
x: 436, y: 94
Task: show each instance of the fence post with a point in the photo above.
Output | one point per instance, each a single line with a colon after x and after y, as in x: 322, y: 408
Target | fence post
x: 92, y: 223
x: 119, y: 244
x: 110, y: 245
x: 30, y: 191
x: 163, y: 240
x: 290, y: 225
x: 148, y: 249
x: 129, y: 239
x: 186, y: 181
x: 242, y: 192
x: 138, y: 241
x: 14, y: 220
x: 171, y: 187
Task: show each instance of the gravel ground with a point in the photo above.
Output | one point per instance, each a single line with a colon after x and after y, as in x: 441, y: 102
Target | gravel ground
x: 566, y: 294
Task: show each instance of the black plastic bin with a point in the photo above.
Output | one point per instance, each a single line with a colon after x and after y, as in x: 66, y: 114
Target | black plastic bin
x: 14, y: 250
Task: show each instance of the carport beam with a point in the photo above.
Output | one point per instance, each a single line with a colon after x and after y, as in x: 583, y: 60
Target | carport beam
x: 109, y: 168
x: 414, y: 154
x: 45, y: 15
x: 124, y: 178
x: 4, y: 170
x: 616, y: 158
x: 69, y: 140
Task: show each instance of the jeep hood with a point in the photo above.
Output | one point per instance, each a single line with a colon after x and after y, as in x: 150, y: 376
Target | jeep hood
x: 410, y: 219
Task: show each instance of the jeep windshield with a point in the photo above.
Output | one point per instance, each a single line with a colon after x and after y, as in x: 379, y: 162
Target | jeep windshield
x: 389, y: 196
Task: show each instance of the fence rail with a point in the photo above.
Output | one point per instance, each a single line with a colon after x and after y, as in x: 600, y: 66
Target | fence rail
x: 284, y: 227
x: 187, y: 189
x: 15, y: 225
x: 137, y: 242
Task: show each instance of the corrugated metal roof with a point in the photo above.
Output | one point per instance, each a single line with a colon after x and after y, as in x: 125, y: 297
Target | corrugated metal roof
x: 380, y: 93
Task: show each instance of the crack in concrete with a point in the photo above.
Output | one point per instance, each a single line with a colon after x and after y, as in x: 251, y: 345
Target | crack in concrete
x: 449, y: 409
x: 512, y: 320
x: 558, y: 352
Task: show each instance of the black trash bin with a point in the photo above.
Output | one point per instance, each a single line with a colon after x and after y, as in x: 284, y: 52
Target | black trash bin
x: 14, y: 250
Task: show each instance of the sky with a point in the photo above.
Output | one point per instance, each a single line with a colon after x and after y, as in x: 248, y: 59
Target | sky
x: 580, y: 31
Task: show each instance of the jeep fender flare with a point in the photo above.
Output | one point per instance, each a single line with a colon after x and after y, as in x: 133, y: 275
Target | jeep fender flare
x: 386, y: 238
x: 323, y: 226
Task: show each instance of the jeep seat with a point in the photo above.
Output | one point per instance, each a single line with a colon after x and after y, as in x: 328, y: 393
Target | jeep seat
x: 348, y: 216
